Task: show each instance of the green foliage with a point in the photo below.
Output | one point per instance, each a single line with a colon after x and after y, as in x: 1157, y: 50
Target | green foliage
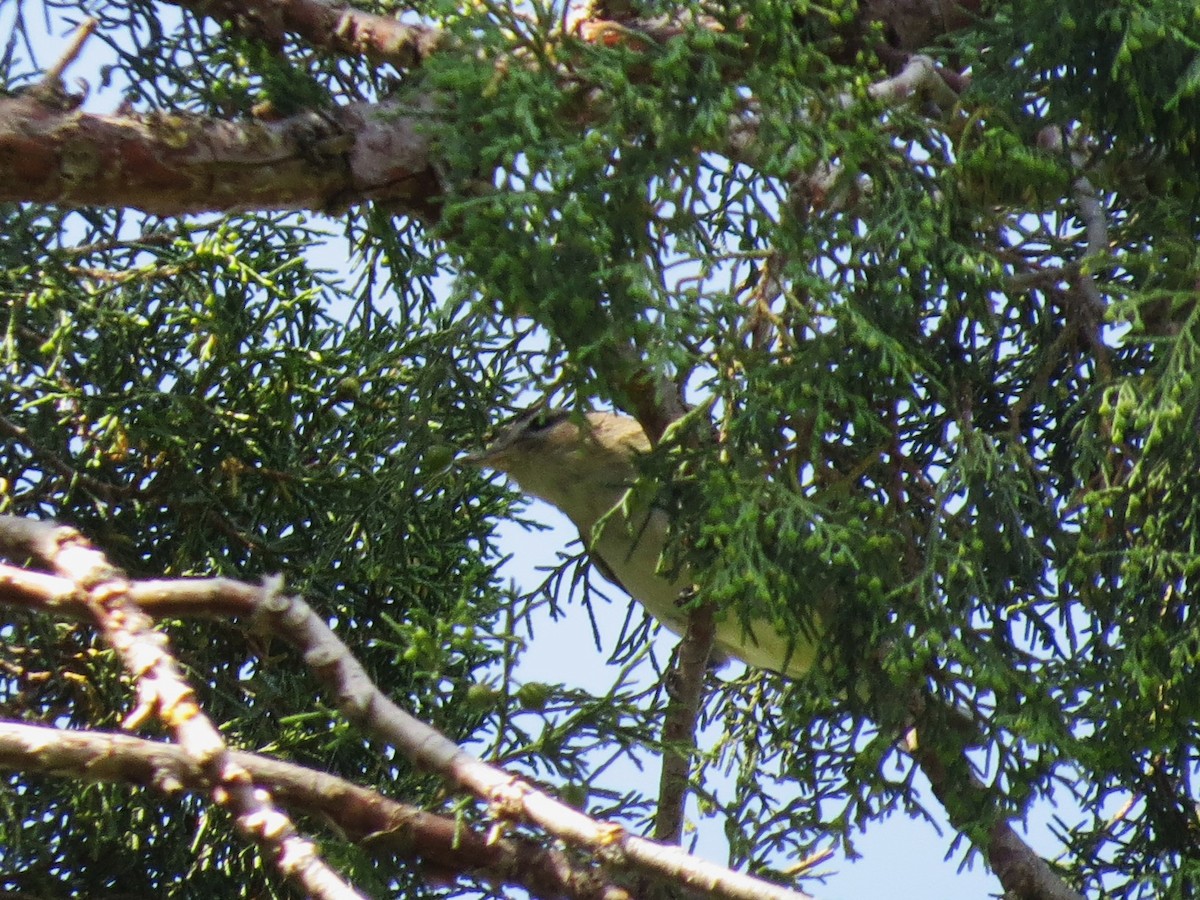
x: 953, y: 434
x: 185, y: 398
x: 1127, y: 71
x: 921, y: 458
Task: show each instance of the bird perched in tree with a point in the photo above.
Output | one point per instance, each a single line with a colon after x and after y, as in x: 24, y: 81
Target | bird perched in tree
x: 584, y: 466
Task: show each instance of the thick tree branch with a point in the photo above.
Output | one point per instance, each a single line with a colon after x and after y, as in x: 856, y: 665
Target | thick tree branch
x: 175, y: 163
x: 445, y: 844
x: 1022, y: 872
x: 908, y: 25
x: 172, y: 164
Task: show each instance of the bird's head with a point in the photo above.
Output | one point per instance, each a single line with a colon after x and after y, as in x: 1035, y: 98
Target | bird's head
x: 561, y: 456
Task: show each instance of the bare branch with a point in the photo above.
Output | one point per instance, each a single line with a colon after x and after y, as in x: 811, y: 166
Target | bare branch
x: 53, y: 75
x: 37, y: 591
x: 361, y: 700
x: 175, y: 164
x: 920, y: 78
x: 508, y: 796
x: 1089, y: 208
x: 410, y: 833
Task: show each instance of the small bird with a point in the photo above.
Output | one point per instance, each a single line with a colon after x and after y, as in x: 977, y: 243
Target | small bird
x: 584, y: 466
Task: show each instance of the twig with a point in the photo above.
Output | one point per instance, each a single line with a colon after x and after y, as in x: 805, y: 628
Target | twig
x: 146, y: 239
x: 1089, y: 209
x: 53, y: 77
x: 761, y: 321
x: 125, y: 276
x: 162, y: 691
x: 810, y: 862
x: 920, y: 78
x: 101, y: 489
x: 444, y: 843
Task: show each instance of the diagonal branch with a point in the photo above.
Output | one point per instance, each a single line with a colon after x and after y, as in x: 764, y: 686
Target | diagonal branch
x: 54, y: 462
x: 509, y: 796
x: 1022, y: 872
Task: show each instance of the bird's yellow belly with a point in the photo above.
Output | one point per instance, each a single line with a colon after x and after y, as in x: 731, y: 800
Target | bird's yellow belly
x: 632, y: 550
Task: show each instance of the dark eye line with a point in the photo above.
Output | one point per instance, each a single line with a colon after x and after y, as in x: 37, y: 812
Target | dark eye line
x: 546, y: 418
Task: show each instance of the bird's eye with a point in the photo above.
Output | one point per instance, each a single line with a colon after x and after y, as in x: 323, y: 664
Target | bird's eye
x: 546, y: 418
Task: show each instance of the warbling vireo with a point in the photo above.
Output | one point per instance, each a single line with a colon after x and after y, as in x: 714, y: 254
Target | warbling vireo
x: 584, y: 466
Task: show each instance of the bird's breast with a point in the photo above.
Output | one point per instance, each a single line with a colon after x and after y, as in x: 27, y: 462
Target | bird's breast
x: 631, y: 546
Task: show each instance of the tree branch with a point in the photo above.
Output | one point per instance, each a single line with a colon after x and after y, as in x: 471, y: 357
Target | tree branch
x: 343, y: 29
x: 52, y: 77
x: 173, y: 164
x: 686, y: 688
x: 102, y: 489
x: 178, y: 163
x: 446, y: 844
x: 1090, y: 210
x: 361, y: 700
x: 334, y: 27
x: 1024, y: 874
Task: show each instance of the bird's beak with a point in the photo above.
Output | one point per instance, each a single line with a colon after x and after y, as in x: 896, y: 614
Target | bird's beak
x: 484, y: 458
x: 475, y: 458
